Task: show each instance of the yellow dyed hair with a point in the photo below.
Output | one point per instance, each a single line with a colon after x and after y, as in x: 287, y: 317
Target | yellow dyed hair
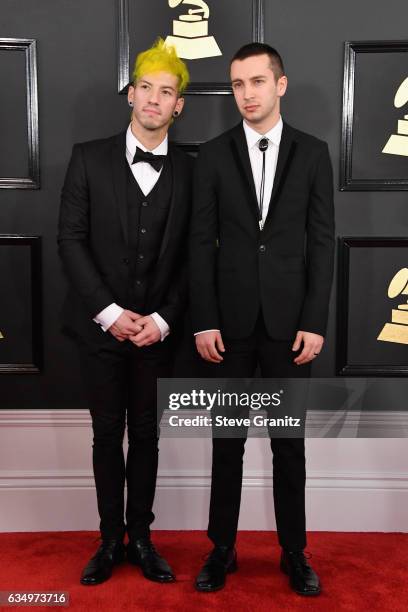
x: 161, y: 58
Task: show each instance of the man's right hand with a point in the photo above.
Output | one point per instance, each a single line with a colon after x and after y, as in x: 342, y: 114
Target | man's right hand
x: 126, y: 325
x: 207, y: 344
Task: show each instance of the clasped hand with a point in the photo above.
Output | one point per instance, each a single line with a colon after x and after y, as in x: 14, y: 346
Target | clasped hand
x: 140, y: 330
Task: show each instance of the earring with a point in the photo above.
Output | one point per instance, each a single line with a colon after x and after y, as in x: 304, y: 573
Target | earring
x: 176, y: 114
x: 130, y: 104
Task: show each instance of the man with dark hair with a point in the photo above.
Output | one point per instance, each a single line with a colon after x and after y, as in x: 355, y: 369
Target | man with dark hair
x: 261, y: 258
x: 124, y: 217
x: 253, y: 49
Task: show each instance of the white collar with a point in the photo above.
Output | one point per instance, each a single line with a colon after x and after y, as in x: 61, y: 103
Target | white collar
x: 132, y: 142
x: 274, y: 135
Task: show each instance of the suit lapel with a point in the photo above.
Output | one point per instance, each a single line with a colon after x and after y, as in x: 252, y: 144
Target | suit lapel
x: 177, y: 175
x: 241, y: 155
x: 287, y: 149
x: 118, y: 160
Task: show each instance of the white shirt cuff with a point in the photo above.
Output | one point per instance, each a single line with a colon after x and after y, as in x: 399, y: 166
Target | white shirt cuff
x: 107, y: 317
x: 161, y: 324
x: 205, y: 331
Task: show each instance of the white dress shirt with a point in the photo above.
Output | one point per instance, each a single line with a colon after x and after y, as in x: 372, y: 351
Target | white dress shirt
x: 146, y: 177
x: 256, y: 158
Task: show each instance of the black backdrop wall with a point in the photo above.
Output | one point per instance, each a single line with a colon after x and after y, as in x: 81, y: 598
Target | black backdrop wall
x: 78, y: 100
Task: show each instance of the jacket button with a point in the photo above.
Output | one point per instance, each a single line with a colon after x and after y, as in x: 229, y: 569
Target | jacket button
x: 143, y: 230
x: 144, y: 203
x: 141, y: 256
x: 126, y: 261
x: 262, y: 248
x: 138, y: 282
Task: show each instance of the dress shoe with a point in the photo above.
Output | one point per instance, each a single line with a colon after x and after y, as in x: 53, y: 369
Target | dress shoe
x: 142, y: 552
x: 221, y: 561
x: 100, y: 566
x: 302, y: 578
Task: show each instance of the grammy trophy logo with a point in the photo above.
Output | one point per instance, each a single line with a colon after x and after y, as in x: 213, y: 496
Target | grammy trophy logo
x: 1, y: 336
x: 397, y: 331
x: 398, y: 143
x: 190, y: 32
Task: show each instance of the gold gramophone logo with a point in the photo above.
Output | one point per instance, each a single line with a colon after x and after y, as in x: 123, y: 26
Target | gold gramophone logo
x: 397, y: 331
x: 398, y: 143
x: 190, y: 32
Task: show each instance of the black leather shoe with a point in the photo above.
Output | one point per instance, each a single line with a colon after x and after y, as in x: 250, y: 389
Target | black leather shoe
x: 100, y: 566
x: 221, y: 561
x: 142, y: 552
x: 302, y: 578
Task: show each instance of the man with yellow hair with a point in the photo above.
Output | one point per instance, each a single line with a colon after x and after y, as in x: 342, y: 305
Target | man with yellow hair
x: 124, y: 216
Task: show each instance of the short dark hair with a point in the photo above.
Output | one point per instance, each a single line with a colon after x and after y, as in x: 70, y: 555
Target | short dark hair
x: 253, y: 49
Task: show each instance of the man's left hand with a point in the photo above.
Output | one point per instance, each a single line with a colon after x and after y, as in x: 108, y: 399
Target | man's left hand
x: 149, y: 334
x: 312, y: 345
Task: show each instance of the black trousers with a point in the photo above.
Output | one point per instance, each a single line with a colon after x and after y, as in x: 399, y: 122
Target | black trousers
x: 275, y: 360
x: 120, y: 384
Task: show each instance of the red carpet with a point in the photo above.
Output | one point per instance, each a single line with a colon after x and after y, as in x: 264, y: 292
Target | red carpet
x: 358, y: 572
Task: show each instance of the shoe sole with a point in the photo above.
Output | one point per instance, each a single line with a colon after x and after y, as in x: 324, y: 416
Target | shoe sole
x: 94, y: 583
x: 232, y: 568
x: 305, y: 594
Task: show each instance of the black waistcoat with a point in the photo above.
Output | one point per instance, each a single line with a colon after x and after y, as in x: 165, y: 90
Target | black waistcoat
x: 147, y: 217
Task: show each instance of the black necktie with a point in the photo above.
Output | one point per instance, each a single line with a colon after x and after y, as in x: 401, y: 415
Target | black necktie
x: 156, y: 161
x: 263, y: 145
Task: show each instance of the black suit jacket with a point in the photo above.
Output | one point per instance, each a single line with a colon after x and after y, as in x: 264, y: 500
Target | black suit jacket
x: 287, y: 268
x: 93, y: 237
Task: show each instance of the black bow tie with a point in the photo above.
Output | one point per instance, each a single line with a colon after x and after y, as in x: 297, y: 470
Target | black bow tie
x: 156, y: 161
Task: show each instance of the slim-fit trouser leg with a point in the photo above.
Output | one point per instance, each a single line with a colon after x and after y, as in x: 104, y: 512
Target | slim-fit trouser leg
x: 289, y: 469
x: 227, y: 460
x: 142, y: 458
x: 104, y: 378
